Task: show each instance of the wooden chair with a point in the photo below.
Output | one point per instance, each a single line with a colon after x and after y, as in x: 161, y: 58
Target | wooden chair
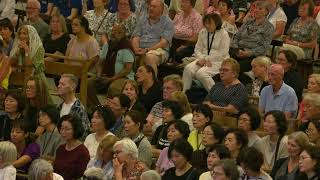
x: 78, y: 67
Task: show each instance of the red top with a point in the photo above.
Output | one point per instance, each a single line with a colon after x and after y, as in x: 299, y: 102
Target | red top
x: 71, y: 164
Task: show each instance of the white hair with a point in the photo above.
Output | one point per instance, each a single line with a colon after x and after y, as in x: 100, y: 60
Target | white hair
x: 150, y: 175
x: 94, y: 172
x: 128, y: 147
x: 39, y: 168
x: 35, y: 2
x: 8, y: 152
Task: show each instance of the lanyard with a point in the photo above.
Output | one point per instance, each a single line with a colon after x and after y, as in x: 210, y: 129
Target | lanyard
x: 209, y: 44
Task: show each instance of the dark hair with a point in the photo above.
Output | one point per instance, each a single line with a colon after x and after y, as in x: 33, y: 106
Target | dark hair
x: 150, y: 69
x: 181, y: 126
x: 254, y: 117
x: 251, y: 158
x: 214, y: 17
x: 52, y: 112
x: 241, y: 136
x: 205, y: 110
x: 131, y: 4
x: 291, y: 58
x: 183, y: 147
x: 217, y: 130
x: 76, y: 124
x: 228, y: 2
x: 125, y: 101
x: 316, y: 123
x: 221, y: 150
x: 7, y: 23
x: 192, y: 2
x: 137, y: 117
x: 19, y: 98
x: 84, y: 23
x: 314, y: 152
x: 280, y: 120
x: 25, y: 127
x: 107, y: 115
x: 174, y: 107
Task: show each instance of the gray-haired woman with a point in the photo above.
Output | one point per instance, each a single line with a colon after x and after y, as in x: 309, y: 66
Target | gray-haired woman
x: 42, y: 169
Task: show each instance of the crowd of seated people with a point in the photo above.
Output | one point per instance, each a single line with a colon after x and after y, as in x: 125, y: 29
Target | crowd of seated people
x: 146, y: 126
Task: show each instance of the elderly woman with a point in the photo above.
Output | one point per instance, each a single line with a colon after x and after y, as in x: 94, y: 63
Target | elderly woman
x: 101, y: 122
x: 125, y: 162
x: 253, y: 38
x: 28, y: 51
x: 228, y: 20
x: 212, y: 134
x: 13, y: 108
x: 180, y: 153
x: 123, y: 16
x: 230, y: 95
x: 309, y: 162
x: 291, y: 77
x: 98, y: 18
x: 216, y: 152
x: 302, y: 33
x: 150, y: 175
x: 249, y: 121
x: 225, y: 169
x: 104, y: 156
x: 8, y: 154
x: 56, y: 42
x: 187, y: 25
x: 42, y: 169
x: 133, y: 126
x: 7, y: 34
x: 289, y: 166
x: 211, y: 49
x: 51, y: 139
x: 258, y: 79
x: 274, y: 144
x: 72, y: 157
x: 236, y: 140
x: 277, y: 18
x: 312, y: 109
x: 313, y: 131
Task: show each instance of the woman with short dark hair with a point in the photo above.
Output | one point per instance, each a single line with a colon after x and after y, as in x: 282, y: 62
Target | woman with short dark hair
x: 236, y: 140
x: 180, y: 153
x: 7, y: 34
x: 211, y: 49
x: 72, y: 157
x: 309, y: 163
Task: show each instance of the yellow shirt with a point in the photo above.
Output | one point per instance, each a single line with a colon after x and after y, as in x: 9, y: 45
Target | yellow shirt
x: 5, y: 81
x: 195, y: 139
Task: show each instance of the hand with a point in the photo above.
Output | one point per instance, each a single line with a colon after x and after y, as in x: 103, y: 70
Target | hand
x: 140, y: 51
x: 23, y: 45
x: 201, y: 62
x: 244, y: 53
x: 208, y: 64
x: 117, y: 166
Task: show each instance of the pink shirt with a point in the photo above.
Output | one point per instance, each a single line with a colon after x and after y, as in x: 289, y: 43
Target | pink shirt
x: 186, y: 27
x: 164, y: 163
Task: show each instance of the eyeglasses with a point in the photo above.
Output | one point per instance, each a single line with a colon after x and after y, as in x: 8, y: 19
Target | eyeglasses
x: 29, y: 8
x: 224, y: 70
x: 65, y: 129
x: 207, y: 134
x: 215, y: 173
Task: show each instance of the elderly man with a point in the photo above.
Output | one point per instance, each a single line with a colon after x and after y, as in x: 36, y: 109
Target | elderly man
x: 71, y: 104
x: 33, y: 16
x: 278, y: 95
x: 152, y: 36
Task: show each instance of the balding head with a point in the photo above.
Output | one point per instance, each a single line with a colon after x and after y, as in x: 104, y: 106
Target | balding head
x: 33, y: 4
x: 277, y: 68
x: 33, y: 10
x: 156, y: 8
x: 275, y: 74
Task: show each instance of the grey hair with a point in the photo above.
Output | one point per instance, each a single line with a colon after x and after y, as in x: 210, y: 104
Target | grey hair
x: 128, y: 147
x: 8, y: 152
x: 72, y: 78
x: 150, y: 175
x: 39, y: 168
x: 93, y: 172
x: 263, y: 61
x: 313, y: 99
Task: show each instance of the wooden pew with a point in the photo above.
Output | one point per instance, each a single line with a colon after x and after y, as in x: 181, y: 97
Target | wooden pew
x: 224, y: 120
x: 70, y: 66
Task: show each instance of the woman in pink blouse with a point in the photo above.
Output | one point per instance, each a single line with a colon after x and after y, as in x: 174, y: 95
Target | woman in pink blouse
x: 187, y: 25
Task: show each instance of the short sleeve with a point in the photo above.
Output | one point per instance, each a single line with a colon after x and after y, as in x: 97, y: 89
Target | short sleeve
x: 33, y: 150
x: 168, y: 30
x: 126, y: 55
x: 93, y: 48
x: 262, y: 99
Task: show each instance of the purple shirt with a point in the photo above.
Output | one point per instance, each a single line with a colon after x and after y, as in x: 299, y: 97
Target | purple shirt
x: 164, y: 163
x: 33, y: 151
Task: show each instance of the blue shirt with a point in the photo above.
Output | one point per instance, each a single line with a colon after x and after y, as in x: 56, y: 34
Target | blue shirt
x: 65, y: 6
x: 150, y: 34
x: 284, y: 100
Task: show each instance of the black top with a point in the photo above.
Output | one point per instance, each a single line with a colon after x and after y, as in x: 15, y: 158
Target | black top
x: 5, y: 126
x: 191, y: 174
x: 151, y: 97
x: 60, y: 44
x: 159, y: 139
x: 139, y: 107
x: 291, y: 13
x: 31, y: 118
x: 294, y: 80
x: 199, y: 160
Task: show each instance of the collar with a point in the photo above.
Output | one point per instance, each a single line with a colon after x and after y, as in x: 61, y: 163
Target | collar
x: 281, y: 90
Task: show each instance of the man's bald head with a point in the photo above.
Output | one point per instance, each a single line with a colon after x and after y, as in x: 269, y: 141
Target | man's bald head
x: 277, y: 68
x: 275, y: 75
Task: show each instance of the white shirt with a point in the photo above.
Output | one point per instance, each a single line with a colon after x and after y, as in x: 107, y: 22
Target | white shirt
x: 8, y: 173
x: 188, y: 119
x: 66, y: 108
x: 57, y: 177
x: 7, y: 9
x: 205, y: 176
x: 92, y: 144
x: 277, y: 16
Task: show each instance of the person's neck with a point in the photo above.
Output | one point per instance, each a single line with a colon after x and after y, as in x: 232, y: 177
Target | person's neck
x: 71, y: 144
x: 124, y: 15
x: 154, y: 19
x: 13, y: 115
x: 234, y: 154
x: 304, y: 18
x: 20, y: 146
x: 134, y: 135
x: 101, y: 133
x: 310, y: 174
x: 276, y: 87
x: 50, y: 128
x: 294, y: 159
x: 228, y: 83
x: 187, y: 12
x: 274, y: 137
x: 260, y: 20
x: 81, y: 36
x: 69, y: 98
x: 56, y: 33
x: 147, y: 84
x: 34, y: 19
x: 99, y: 11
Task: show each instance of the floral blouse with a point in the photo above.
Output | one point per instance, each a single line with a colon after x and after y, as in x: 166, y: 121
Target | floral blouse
x: 129, y: 23
x: 303, y: 33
